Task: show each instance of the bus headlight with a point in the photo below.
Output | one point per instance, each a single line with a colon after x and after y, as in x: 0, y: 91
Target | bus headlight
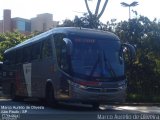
x: 121, y: 83
x: 122, y: 87
x: 82, y: 87
x: 76, y: 85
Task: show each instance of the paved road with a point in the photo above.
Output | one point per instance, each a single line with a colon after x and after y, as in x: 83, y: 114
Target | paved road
x: 34, y: 110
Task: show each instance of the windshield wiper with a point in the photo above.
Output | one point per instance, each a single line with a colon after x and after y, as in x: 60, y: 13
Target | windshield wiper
x: 109, y: 66
x: 95, y: 65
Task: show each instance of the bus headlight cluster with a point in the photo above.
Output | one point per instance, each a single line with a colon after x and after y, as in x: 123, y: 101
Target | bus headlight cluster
x: 76, y: 85
x: 82, y: 87
x: 121, y: 83
x: 122, y: 87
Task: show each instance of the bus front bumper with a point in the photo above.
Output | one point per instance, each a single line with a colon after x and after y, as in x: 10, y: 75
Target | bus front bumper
x: 101, y: 95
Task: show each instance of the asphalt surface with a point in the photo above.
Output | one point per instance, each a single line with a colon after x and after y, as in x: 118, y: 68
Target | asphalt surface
x: 36, y: 110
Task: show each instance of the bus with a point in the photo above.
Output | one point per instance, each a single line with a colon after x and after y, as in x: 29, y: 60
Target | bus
x: 69, y: 64
x: 1, y: 72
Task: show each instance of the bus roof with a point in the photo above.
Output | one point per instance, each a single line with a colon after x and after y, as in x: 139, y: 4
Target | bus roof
x: 67, y: 30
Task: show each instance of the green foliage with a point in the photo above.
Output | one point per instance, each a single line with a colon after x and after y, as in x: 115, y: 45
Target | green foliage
x: 10, y: 39
x: 144, y: 74
x: 67, y: 23
x: 85, y: 21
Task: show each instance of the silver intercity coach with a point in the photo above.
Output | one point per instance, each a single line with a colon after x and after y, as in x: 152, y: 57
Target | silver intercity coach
x: 68, y: 64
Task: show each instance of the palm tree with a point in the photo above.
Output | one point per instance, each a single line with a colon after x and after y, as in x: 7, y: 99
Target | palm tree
x: 96, y: 15
x: 97, y: 8
x: 133, y: 4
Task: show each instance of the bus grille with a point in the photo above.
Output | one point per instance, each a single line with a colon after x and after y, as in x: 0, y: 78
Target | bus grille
x: 102, y: 90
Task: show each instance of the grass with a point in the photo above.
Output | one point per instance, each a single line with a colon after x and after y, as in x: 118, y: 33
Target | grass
x: 142, y: 98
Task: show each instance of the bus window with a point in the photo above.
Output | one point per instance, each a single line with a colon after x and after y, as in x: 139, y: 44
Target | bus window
x: 10, y: 58
x: 27, y: 54
x: 47, y: 49
x: 61, y: 52
x: 6, y: 59
x: 13, y: 57
x: 19, y: 56
x: 1, y: 64
x: 36, y: 51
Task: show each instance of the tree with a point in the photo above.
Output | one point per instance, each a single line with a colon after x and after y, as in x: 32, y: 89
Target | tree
x: 85, y: 22
x: 144, y: 75
x: 67, y: 23
x: 90, y: 20
x: 93, y: 18
x: 10, y: 39
x: 133, y: 4
x: 97, y: 9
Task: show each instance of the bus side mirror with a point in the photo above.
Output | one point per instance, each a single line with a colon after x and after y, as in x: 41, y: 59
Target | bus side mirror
x: 129, y: 51
x: 68, y: 43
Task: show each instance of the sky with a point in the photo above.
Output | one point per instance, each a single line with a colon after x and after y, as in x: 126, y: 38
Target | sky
x: 67, y: 9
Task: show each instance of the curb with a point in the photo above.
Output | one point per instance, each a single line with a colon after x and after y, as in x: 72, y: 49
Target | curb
x: 135, y: 104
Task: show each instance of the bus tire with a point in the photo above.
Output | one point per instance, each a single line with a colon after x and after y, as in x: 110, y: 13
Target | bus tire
x: 50, y: 99
x: 13, y: 93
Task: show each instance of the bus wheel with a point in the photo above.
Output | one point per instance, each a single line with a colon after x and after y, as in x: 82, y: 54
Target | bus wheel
x: 13, y: 92
x: 50, y: 100
x: 13, y: 95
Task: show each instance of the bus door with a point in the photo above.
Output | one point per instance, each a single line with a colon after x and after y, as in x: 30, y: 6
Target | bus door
x: 47, y: 62
x: 63, y: 66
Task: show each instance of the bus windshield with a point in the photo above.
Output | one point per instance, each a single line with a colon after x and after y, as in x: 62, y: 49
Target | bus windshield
x: 96, y: 58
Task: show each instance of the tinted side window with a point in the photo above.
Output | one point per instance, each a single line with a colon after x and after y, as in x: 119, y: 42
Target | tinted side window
x: 13, y: 57
x: 6, y: 58
x: 47, y: 49
x: 36, y: 51
x: 10, y: 58
x: 19, y: 56
x: 26, y: 54
x: 1, y: 66
x: 61, y: 52
x: 1, y: 70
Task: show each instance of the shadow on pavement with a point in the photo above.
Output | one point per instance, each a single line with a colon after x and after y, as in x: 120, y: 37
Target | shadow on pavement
x: 67, y: 106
